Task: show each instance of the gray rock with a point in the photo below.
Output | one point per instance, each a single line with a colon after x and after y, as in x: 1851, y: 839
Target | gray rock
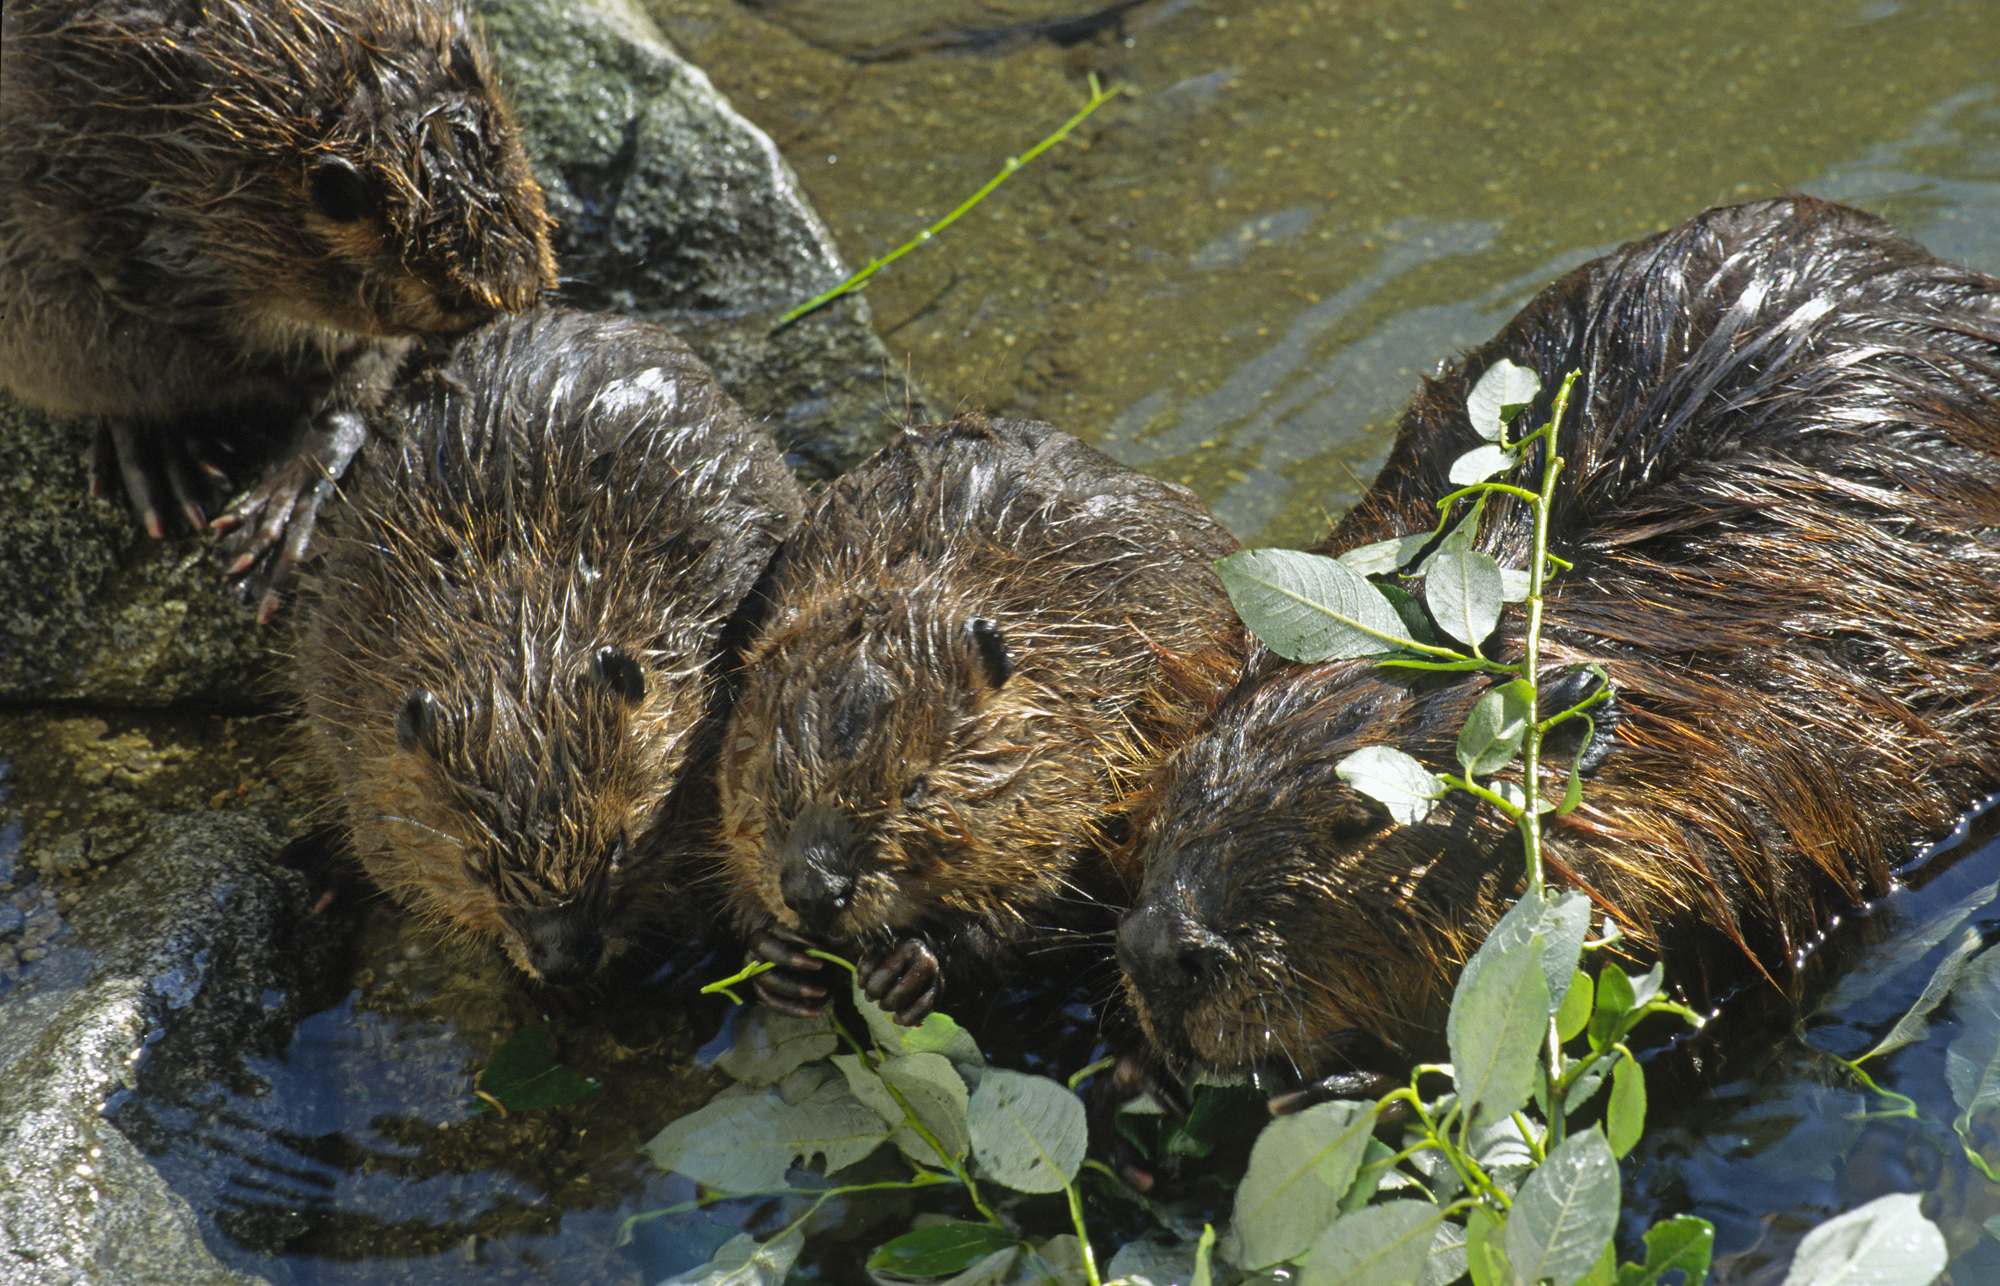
x: 672, y: 207
x: 191, y: 952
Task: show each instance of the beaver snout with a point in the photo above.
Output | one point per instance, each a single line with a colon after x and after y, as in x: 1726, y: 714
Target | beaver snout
x: 563, y: 943
x: 822, y: 860
x: 1171, y: 958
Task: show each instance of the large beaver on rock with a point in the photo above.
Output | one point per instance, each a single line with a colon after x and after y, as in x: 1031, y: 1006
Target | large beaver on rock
x: 221, y: 221
x: 1782, y: 508
x: 977, y: 643
x: 507, y: 652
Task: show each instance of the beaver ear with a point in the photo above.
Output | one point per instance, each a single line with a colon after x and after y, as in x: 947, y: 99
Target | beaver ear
x: 991, y: 647
x: 339, y: 192
x: 419, y: 722
x: 616, y: 670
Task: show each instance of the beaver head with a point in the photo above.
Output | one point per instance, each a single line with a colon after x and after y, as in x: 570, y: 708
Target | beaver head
x: 508, y: 654
x: 333, y: 170
x: 909, y: 770
x: 1285, y: 923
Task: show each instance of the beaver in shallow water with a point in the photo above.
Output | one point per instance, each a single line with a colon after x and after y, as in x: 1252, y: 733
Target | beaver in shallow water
x: 219, y: 220
x: 977, y: 643
x: 1782, y: 509
x: 504, y: 659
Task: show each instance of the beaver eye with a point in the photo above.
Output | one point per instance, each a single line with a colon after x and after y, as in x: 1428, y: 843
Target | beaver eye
x: 913, y: 794
x: 616, y: 670
x: 338, y: 191
x: 419, y: 722
x: 991, y: 645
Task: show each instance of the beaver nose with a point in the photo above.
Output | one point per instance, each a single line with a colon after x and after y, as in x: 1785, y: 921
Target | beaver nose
x: 563, y: 943
x: 820, y: 868
x: 1169, y: 957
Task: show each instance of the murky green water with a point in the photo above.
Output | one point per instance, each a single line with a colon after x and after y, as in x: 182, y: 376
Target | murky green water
x: 1236, y: 274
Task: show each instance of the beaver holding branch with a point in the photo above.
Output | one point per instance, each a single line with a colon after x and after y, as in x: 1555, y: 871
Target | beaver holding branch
x: 977, y: 643
x: 1782, y: 509
x: 507, y: 656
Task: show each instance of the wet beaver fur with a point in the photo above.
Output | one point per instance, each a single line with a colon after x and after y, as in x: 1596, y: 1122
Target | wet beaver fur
x: 1782, y: 503
x: 978, y: 642
x: 504, y: 659
x: 219, y: 220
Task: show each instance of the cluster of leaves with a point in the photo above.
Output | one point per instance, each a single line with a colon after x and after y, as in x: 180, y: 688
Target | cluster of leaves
x: 927, y: 1092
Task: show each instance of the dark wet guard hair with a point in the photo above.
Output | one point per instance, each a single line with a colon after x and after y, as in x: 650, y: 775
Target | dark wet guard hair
x: 1780, y: 500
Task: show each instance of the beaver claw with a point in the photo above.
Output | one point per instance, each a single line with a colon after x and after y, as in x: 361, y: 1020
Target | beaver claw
x: 783, y: 988
x: 157, y: 470
x: 271, y: 525
x: 906, y: 982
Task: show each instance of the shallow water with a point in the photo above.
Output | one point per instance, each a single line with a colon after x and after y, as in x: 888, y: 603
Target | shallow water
x: 1233, y: 276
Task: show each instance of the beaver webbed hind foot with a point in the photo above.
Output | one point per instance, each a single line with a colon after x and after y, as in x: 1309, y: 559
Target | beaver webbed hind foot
x: 786, y: 988
x: 906, y: 980
x: 269, y: 528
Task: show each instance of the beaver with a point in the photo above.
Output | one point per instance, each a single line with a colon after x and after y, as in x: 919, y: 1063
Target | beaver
x: 976, y: 644
x: 220, y: 221
x: 1781, y: 510
x: 505, y: 657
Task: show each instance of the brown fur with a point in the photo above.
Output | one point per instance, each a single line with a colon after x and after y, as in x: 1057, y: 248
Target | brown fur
x: 882, y: 765
x: 215, y: 213
x: 570, y: 511
x: 1781, y: 501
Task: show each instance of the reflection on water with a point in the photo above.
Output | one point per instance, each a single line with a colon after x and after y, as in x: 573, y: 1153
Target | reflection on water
x: 1790, y: 1139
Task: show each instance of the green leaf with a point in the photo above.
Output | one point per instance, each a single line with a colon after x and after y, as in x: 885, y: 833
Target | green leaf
x: 1499, y: 1014
x: 936, y: 1034
x: 1485, y: 1249
x: 1515, y: 584
x: 1446, y: 1261
x: 1383, y: 1244
x: 939, y: 1250
x: 1027, y: 1131
x: 746, y: 1142
x: 771, y: 1046
x: 743, y: 1262
x: 1411, y: 612
x: 1464, y: 593
x: 1384, y: 557
x: 934, y: 1092
x: 1574, y: 1012
x: 1514, y: 795
x: 1565, y: 1213
x: 1972, y: 1063
x: 1479, y: 464
x: 1057, y: 1261
x: 524, y: 1076
x: 1399, y: 783
x: 1683, y: 1243
x: 1614, y: 1001
x: 1204, y: 1257
x: 1647, y: 985
x: 1501, y: 393
x: 1914, y: 1025
x: 1492, y: 733
x: 1308, y: 608
x: 1156, y: 1259
x: 1573, y: 790
x: 1300, y: 1169
x: 1887, y: 1242
x: 1625, y: 1115
x: 1561, y: 923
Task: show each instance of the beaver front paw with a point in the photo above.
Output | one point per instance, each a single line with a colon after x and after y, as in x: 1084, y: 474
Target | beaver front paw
x: 789, y: 988
x: 270, y: 527
x: 160, y: 471
x: 906, y: 982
